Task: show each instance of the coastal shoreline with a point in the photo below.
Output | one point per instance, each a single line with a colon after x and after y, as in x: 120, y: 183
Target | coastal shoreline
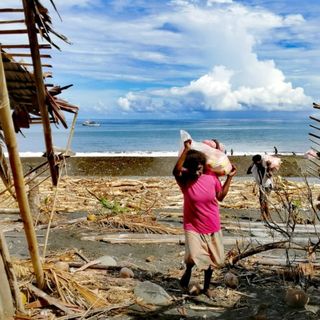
x: 144, y: 166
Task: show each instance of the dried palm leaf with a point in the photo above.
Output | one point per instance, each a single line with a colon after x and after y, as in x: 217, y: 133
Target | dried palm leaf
x: 55, y: 8
x: 94, y: 299
x: 144, y: 225
x: 43, y: 22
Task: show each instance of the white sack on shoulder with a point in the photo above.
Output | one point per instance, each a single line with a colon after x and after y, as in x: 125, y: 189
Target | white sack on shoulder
x: 216, y: 159
x: 275, y: 162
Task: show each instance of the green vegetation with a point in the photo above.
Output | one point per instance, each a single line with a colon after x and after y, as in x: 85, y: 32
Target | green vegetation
x: 113, y: 206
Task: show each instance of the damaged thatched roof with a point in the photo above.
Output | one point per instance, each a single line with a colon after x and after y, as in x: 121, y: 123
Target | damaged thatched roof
x: 23, y: 100
x: 21, y: 77
x: 23, y: 89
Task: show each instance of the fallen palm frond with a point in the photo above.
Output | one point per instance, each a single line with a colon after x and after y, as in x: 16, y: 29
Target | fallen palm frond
x: 72, y: 293
x: 139, y: 224
x: 144, y: 195
x: 73, y: 195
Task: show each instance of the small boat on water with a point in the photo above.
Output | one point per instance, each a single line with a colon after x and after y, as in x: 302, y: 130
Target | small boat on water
x: 90, y: 123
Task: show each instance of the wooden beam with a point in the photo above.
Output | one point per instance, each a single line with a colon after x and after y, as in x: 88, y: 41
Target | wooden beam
x: 315, y: 119
x: 316, y: 105
x: 28, y: 55
x: 14, y: 31
x: 41, y: 96
x: 17, y: 173
x: 314, y: 127
x: 315, y: 142
x: 315, y: 162
x: 11, y: 10
x: 314, y: 135
x: 32, y: 65
x: 11, y: 21
x: 24, y: 46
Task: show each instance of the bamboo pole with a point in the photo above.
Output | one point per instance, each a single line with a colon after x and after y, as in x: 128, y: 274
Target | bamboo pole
x: 17, y: 173
x: 73, y: 125
x: 41, y: 98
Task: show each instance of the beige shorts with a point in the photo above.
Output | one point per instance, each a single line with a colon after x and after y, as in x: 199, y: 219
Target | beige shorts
x: 204, y: 250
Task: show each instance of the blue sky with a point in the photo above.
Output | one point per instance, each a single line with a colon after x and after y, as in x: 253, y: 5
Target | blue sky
x: 188, y: 58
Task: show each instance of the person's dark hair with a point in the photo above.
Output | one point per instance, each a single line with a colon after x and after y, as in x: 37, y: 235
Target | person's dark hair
x: 256, y: 158
x: 193, y: 159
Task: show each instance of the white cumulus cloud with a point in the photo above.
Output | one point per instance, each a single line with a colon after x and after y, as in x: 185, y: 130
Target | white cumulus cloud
x: 225, y: 39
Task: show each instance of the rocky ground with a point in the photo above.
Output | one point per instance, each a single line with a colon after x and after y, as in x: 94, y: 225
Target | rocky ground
x: 88, y: 210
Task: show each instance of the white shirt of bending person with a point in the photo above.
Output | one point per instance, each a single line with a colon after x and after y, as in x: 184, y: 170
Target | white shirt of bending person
x: 264, y: 180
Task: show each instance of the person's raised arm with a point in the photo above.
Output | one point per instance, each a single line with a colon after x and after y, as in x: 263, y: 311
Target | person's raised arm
x: 177, y: 170
x: 249, y: 171
x: 225, y: 188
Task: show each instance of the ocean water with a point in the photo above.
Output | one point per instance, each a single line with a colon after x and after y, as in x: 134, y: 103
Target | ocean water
x: 162, y: 137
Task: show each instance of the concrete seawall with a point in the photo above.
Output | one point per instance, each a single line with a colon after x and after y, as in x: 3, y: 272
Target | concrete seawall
x: 292, y: 166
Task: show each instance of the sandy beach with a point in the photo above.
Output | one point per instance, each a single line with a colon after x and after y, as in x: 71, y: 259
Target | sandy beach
x: 131, y: 210
x: 108, y: 232
x: 292, y: 166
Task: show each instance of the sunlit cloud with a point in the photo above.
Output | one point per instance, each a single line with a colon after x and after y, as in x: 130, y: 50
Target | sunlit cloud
x: 171, y: 56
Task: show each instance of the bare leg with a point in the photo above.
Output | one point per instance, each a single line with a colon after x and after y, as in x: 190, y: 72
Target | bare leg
x: 265, y: 215
x: 185, y: 279
x: 264, y: 207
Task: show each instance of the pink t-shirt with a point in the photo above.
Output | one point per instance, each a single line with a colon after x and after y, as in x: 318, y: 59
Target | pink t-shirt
x: 201, y: 209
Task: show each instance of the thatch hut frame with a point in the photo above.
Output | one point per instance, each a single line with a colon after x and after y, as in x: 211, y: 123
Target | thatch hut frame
x: 25, y: 99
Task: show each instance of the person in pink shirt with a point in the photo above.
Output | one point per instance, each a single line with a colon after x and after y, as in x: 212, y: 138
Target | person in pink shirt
x: 201, y: 190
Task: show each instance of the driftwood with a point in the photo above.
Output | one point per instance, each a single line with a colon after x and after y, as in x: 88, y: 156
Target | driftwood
x: 87, y: 265
x: 282, y: 262
x: 10, y: 273
x: 52, y: 301
x: 296, y: 243
x: 60, y: 224
x: 102, y: 267
x: 93, y: 266
x: 136, y: 238
x: 262, y: 248
x: 254, y: 226
x: 9, y: 211
x: 81, y: 255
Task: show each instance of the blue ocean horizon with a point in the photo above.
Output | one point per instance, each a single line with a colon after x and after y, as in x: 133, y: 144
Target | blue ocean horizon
x: 160, y: 137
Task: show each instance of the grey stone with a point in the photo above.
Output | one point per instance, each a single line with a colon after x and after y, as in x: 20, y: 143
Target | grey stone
x: 126, y: 273
x: 152, y: 293
x: 108, y: 261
